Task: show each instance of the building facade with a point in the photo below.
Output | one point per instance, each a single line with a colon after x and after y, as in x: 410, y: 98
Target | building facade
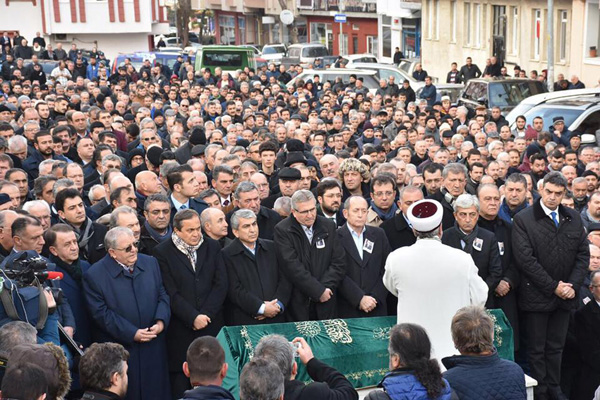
x: 114, y: 26
x: 399, y: 26
x: 515, y: 32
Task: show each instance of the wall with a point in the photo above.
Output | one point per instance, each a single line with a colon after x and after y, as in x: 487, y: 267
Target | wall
x: 438, y: 52
x: 367, y: 27
x: 10, y: 20
x: 587, y: 69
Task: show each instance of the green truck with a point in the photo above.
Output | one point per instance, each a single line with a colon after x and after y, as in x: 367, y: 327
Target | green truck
x: 228, y: 58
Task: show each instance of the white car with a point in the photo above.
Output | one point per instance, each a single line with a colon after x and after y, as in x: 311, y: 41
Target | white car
x: 273, y: 52
x: 352, y: 59
x: 369, y: 79
x: 384, y: 71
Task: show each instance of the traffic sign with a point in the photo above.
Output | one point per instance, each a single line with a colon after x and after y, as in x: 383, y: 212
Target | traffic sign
x: 340, y: 18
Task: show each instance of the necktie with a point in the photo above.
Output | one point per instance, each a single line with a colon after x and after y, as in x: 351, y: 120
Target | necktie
x: 554, y: 218
x: 225, y: 203
x: 183, y: 207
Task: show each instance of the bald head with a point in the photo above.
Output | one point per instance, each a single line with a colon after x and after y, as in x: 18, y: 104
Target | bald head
x: 119, y: 181
x: 214, y: 223
x: 147, y: 183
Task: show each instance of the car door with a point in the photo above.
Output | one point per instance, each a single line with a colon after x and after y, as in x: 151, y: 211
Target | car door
x: 590, y: 122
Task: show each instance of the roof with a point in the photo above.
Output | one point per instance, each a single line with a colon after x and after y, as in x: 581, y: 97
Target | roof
x: 579, y: 102
x: 495, y: 80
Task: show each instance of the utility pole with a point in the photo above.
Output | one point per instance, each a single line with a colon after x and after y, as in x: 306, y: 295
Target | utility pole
x: 341, y: 11
x: 550, y: 75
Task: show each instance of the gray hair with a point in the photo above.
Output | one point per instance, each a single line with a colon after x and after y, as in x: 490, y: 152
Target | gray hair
x: 221, y: 169
x: 284, y: 204
x: 241, y: 213
x: 33, y: 203
x: 61, y: 184
x: 277, y: 349
x: 454, y: 168
x: 114, y: 216
x: 261, y: 379
x: 167, y: 167
x: 302, y: 196
x: 244, y: 187
x: 111, y: 157
x: 473, y: 330
x: 111, y: 240
x: 517, y: 177
x: 92, y: 190
x: 44, y: 163
x: 466, y: 201
x: 17, y: 141
x: 15, y: 333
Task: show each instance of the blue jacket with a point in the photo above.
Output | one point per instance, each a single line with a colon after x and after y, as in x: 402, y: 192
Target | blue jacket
x: 403, y: 385
x: 92, y: 71
x: 485, y: 377
x: 120, y: 303
x: 429, y: 93
x: 210, y: 392
x: 506, y: 214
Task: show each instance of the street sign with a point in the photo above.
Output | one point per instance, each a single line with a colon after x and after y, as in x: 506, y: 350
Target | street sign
x: 339, y: 18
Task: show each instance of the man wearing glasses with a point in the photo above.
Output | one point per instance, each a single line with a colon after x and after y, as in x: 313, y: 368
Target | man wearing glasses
x: 383, y: 192
x: 312, y: 258
x: 129, y: 305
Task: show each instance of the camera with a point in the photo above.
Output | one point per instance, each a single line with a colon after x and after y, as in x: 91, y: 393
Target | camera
x: 32, y: 271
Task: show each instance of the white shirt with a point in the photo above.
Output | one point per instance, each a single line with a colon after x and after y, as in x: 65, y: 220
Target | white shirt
x: 547, y: 211
x: 251, y: 250
x: 178, y: 205
x: 308, y: 232
x: 358, y: 239
x: 228, y: 199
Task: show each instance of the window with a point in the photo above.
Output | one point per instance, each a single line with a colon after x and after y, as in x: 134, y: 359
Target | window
x: 453, y: 21
x: 372, y: 45
x: 242, y: 27
x: 515, y: 31
x: 537, y: 32
x: 478, y: 25
x: 344, y: 49
x: 592, y: 30
x: 227, y: 29
x: 432, y: 23
x: 354, y: 44
x: 386, y: 30
x: 563, y: 35
x: 468, y: 23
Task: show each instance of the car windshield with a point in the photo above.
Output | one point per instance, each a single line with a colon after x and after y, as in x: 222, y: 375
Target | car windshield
x: 548, y: 112
x: 314, y: 52
x: 228, y: 60
x: 274, y: 50
x: 510, y: 94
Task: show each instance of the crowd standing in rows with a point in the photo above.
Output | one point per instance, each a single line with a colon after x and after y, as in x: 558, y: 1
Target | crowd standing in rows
x: 177, y: 202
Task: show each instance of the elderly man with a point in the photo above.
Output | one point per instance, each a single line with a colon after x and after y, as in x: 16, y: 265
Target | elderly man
x: 362, y: 292
x: 247, y: 196
x: 289, y: 181
x: 146, y: 184
x: 408, y: 277
x: 481, y: 244
x: 329, y: 165
x: 258, y: 290
x: 454, y: 181
x: 214, y: 225
x: 553, y: 256
x: 478, y: 372
x: 312, y: 258
x: 261, y: 182
x: 156, y: 228
x: 398, y: 231
x: 196, y: 281
x: 39, y: 209
x: 129, y: 305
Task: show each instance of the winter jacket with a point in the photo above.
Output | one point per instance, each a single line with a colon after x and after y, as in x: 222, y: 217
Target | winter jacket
x: 404, y: 385
x: 546, y: 254
x: 210, y: 392
x: 485, y: 377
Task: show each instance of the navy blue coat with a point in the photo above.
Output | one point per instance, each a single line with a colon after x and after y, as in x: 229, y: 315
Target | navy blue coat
x: 119, y: 304
x: 73, y: 291
x: 485, y: 377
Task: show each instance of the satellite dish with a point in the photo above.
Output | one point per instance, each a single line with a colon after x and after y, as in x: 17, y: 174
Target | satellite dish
x: 287, y: 17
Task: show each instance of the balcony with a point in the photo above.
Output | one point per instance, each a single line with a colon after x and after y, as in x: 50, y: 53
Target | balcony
x: 328, y: 6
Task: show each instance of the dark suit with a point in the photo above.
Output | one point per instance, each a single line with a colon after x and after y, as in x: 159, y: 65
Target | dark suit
x: 253, y: 279
x: 193, y: 292
x: 398, y: 232
x: 448, y: 218
x: 198, y: 205
x: 486, y: 256
x: 587, y: 329
x: 329, y: 384
x: 364, y: 276
x: 310, y: 268
x: 119, y: 304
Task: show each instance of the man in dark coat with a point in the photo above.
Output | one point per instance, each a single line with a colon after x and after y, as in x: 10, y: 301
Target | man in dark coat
x: 258, y: 290
x: 587, y: 326
x: 312, y: 258
x: 64, y: 252
x: 107, y: 360
x: 469, y: 71
x: 246, y: 196
x: 479, y: 243
x: 196, y: 281
x: 552, y: 254
x: 362, y: 293
x: 454, y: 182
x: 397, y: 229
x: 129, y: 305
x: 328, y: 383
x: 184, y: 187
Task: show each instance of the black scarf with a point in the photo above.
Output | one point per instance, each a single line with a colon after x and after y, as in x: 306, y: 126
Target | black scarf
x: 74, y: 270
x: 467, y: 238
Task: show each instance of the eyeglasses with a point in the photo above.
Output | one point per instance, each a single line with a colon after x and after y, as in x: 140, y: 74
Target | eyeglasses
x: 306, y: 212
x: 381, y: 194
x: 129, y: 249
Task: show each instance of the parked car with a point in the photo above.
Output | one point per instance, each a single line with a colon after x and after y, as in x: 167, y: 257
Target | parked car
x: 384, y: 71
x: 273, y: 52
x: 581, y: 113
x: 254, y: 49
x: 503, y: 93
x: 328, y: 60
x: 228, y: 58
x: 330, y: 74
x: 445, y: 89
x: 304, y: 54
x: 353, y: 59
x: 538, y: 99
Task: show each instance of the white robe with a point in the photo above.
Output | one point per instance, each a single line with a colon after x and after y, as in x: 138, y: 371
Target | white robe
x: 432, y: 282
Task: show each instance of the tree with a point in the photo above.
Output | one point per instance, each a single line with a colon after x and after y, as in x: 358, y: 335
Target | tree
x: 182, y: 19
x: 293, y: 28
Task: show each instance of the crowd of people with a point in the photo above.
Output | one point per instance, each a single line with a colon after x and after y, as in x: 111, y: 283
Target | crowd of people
x: 177, y: 206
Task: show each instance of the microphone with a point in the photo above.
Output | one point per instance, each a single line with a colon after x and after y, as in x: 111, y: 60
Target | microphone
x: 52, y: 275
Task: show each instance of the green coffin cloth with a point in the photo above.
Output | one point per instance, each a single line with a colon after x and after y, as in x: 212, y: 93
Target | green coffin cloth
x: 356, y: 347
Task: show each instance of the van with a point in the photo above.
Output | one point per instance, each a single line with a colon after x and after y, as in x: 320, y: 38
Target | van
x: 228, y: 58
x: 304, y: 54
